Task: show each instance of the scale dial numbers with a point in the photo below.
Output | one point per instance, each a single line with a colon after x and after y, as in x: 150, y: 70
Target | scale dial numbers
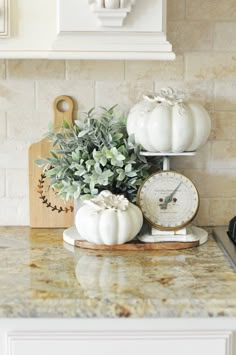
x: 168, y: 200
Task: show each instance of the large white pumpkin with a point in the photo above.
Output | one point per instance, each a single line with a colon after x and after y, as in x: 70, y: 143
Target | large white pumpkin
x: 168, y: 124
x: 109, y: 220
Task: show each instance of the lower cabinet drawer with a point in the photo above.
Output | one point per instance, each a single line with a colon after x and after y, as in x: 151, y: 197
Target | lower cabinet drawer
x: 117, y: 343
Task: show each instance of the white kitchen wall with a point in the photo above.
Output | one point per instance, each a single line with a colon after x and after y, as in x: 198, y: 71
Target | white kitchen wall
x: 203, y: 33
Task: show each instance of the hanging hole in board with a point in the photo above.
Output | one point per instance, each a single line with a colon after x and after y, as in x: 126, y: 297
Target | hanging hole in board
x: 63, y: 106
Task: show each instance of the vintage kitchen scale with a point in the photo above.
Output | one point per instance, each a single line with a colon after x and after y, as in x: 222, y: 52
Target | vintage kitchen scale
x: 169, y: 202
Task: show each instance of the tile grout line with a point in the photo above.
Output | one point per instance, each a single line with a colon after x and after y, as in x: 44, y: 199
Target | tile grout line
x: 125, y: 70
x: 6, y: 69
x: 66, y: 70
x: 5, y: 183
x: 36, y: 94
x: 6, y: 125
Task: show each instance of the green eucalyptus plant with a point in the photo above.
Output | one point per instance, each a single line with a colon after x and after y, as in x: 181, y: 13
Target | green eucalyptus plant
x: 94, y: 154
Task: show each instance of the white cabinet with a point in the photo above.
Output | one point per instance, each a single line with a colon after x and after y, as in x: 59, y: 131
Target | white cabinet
x: 33, y: 27
x: 116, y: 336
x: 116, y: 343
x: 4, y: 18
x: 80, y: 29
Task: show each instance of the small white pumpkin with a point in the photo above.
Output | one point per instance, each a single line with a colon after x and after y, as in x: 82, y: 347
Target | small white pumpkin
x: 166, y: 123
x: 108, y: 219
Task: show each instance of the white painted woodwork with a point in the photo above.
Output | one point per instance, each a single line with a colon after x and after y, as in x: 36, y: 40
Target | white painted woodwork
x: 33, y: 29
x: 4, y: 18
x: 117, y: 343
x: 117, y: 336
x: 143, y: 35
x: 111, y: 13
x: 111, y: 17
x: 68, y: 29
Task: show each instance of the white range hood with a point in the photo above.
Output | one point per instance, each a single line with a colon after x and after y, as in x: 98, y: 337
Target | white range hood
x: 87, y: 29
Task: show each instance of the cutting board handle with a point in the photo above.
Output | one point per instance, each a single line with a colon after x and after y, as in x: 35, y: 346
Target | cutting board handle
x: 63, y: 108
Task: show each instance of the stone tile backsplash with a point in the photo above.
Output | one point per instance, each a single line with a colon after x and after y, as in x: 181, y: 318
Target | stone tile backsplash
x: 203, y: 35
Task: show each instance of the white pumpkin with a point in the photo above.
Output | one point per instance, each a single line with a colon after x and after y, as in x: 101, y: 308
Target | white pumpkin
x: 108, y: 219
x: 166, y: 123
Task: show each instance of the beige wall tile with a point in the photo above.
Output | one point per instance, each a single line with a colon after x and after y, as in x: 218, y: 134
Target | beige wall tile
x: 199, y: 91
x: 187, y: 36
x: 28, y: 125
x: 95, y: 70
x: 82, y: 91
x: 223, y: 126
x: 15, y: 94
x: 176, y: 9
x: 225, y: 96
x: 35, y: 69
x: 2, y: 182
x: 221, y: 211
x: 213, y: 183
x: 199, y: 161
x: 15, y: 211
x: 211, y: 66
x: 17, y: 184
x: 124, y: 93
x: 224, y: 155
x: 224, y: 37
x: 2, y: 69
x: 202, y: 218
x: 211, y: 10
x: 13, y: 154
x: 155, y: 70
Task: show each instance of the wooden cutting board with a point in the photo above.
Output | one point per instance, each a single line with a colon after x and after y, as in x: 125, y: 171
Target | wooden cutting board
x: 46, y: 209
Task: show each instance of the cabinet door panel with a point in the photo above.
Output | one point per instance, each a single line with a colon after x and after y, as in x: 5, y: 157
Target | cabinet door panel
x: 119, y: 345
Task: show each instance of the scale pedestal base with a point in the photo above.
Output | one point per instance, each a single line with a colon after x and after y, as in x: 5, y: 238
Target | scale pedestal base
x: 189, y: 234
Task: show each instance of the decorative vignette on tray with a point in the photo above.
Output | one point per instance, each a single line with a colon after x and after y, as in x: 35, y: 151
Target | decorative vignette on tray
x: 104, y: 158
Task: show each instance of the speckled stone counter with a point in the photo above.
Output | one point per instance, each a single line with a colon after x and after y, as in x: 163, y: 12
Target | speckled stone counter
x: 40, y: 276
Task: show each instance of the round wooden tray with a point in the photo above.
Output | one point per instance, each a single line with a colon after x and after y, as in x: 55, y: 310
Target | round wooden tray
x: 71, y: 236
x: 136, y: 245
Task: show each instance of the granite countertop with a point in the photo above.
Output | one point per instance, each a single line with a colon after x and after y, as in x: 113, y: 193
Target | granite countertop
x: 43, y: 277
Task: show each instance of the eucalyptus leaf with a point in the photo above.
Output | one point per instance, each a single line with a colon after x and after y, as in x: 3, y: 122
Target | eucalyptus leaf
x: 65, y: 124
x: 40, y: 162
x: 83, y: 133
x: 121, y: 176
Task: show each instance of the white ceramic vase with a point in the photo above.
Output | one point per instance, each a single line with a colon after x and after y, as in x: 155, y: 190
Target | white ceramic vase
x: 112, y: 4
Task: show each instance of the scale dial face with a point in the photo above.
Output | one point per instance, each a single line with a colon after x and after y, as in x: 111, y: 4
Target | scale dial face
x: 168, y: 200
